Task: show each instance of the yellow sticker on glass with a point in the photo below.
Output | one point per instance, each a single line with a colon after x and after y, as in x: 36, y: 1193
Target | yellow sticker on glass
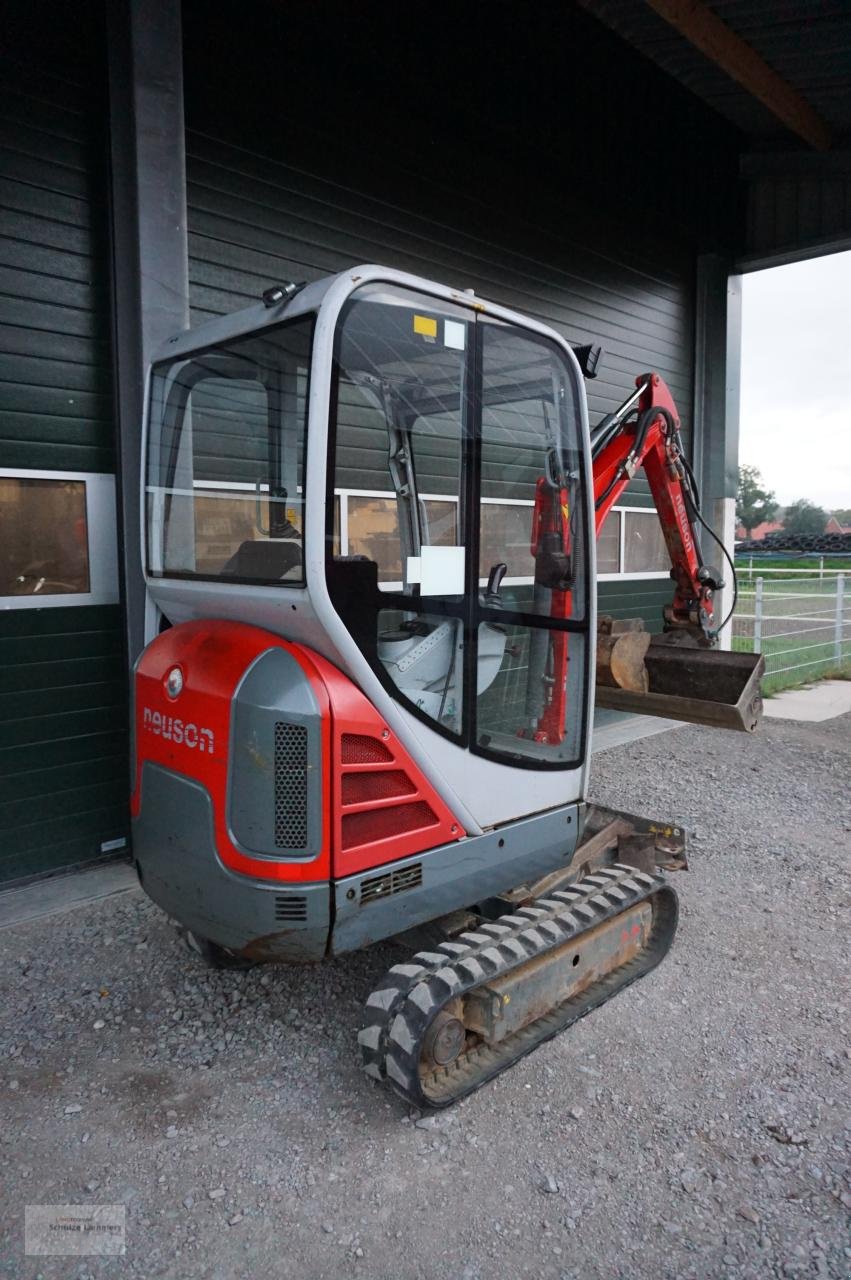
x: 425, y: 325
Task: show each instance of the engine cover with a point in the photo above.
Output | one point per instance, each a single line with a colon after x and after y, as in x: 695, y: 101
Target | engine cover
x: 305, y: 777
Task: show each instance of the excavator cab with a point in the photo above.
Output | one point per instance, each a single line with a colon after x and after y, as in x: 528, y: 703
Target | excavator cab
x: 401, y: 480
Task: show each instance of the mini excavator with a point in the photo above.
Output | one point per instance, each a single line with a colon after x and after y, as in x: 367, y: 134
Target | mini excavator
x: 371, y: 506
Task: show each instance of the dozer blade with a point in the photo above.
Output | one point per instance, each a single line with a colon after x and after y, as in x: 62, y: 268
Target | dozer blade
x: 440, y: 1026
x: 700, y: 686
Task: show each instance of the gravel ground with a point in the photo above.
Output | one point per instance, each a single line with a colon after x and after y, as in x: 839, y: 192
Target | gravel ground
x: 693, y: 1127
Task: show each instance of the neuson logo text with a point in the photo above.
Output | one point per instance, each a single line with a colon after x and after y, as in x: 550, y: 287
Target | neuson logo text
x: 683, y: 521
x: 176, y: 730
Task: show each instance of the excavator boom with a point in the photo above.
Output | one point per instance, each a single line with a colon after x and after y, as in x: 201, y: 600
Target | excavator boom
x: 680, y: 673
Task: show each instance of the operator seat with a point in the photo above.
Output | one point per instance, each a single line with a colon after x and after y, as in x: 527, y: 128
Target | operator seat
x: 266, y: 558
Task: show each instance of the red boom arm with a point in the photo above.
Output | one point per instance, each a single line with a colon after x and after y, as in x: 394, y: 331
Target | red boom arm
x: 653, y: 441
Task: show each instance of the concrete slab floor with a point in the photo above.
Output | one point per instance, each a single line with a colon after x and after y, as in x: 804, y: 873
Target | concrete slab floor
x: 822, y: 701
x: 614, y: 729
x: 63, y: 892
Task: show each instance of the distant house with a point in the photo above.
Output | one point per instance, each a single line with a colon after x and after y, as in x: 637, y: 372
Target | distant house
x: 775, y: 526
x: 759, y: 531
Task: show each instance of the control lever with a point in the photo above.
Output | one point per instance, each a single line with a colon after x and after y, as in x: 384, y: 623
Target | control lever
x: 495, y: 577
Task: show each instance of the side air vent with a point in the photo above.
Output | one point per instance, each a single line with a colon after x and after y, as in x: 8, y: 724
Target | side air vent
x: 360, y: 748
x: 384, y: 886
x: 358, y: 788
x: 290, y: 906
x: 290, y: 786
x: 381, y: 824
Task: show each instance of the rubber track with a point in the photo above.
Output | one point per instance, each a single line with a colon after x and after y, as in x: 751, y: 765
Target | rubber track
x: 401, y: 1008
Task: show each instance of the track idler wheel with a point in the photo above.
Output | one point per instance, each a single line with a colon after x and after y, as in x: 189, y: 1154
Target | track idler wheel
x: 444, y: 1041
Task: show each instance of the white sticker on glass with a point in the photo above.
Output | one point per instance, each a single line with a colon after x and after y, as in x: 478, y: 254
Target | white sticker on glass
x: 453, y: 334
x: 442, y: 571
x: 412, y: 570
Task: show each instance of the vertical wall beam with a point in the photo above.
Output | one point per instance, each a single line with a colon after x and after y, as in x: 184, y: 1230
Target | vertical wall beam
x: 715, y: 451
x: 150, y: 278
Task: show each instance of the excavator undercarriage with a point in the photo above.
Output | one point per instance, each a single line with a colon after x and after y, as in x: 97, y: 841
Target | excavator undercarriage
x: 497, y: 982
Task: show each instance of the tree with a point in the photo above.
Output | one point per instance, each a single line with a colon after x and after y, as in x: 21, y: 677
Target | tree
x: 754, y: 504
x: 804, y: 516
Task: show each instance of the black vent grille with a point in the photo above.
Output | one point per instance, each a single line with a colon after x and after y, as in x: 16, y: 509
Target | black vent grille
x: 290, y: 786
x: 384, y: 886
x: 290, y: 906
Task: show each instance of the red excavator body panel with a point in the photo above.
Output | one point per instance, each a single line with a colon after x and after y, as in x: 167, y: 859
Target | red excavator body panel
x: 377, y: 805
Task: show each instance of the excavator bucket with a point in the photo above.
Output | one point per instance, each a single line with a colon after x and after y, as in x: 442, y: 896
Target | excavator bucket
x: 700, y: 686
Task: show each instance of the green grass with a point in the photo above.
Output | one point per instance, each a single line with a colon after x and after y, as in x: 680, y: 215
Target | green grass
x: 810, y: 652
x: 781, y: 651
x: 840, y: 563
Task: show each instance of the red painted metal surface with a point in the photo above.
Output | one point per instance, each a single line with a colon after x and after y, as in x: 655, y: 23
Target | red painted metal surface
x: 190, y: 734
x: 370, y: 830
x: 660, y: 457
x: 551, y: 518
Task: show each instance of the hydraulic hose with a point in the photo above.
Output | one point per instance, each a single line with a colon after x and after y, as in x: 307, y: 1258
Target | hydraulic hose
x: 645, y: 422
x: 693, y: 498
x: 713, y: 535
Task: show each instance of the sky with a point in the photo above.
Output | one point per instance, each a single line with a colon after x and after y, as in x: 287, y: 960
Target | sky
x: 796, y: 379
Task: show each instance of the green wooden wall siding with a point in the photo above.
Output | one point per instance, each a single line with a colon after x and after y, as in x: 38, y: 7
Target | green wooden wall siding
x: 63, y: 737
x: 55, y: 375
x: 63, y: 686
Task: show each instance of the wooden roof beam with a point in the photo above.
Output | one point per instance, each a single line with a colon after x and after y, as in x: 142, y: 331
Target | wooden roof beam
x: 705, y: 30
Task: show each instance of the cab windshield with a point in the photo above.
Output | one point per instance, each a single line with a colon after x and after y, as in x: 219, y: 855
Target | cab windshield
x: 457, y: 546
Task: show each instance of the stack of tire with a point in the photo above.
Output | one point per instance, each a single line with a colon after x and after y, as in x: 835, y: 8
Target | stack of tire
x: 799, y: 543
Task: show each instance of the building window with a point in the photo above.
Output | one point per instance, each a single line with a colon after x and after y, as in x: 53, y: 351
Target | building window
x: 44, y: 543
x: 372, y: 529
x: 506, y: 533
x: 366, y: 523
x: 631, y: 545
x: 58, y: 544
x: 644, y: 549
x: 609, y: 544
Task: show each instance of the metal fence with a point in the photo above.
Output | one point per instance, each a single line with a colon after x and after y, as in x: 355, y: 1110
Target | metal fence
x: 799, y: 621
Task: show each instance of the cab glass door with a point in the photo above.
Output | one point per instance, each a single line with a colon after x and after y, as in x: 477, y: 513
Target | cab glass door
x: 456, y: 541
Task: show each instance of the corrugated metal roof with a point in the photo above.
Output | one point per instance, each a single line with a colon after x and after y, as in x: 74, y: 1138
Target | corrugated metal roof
x: 807, y: 42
